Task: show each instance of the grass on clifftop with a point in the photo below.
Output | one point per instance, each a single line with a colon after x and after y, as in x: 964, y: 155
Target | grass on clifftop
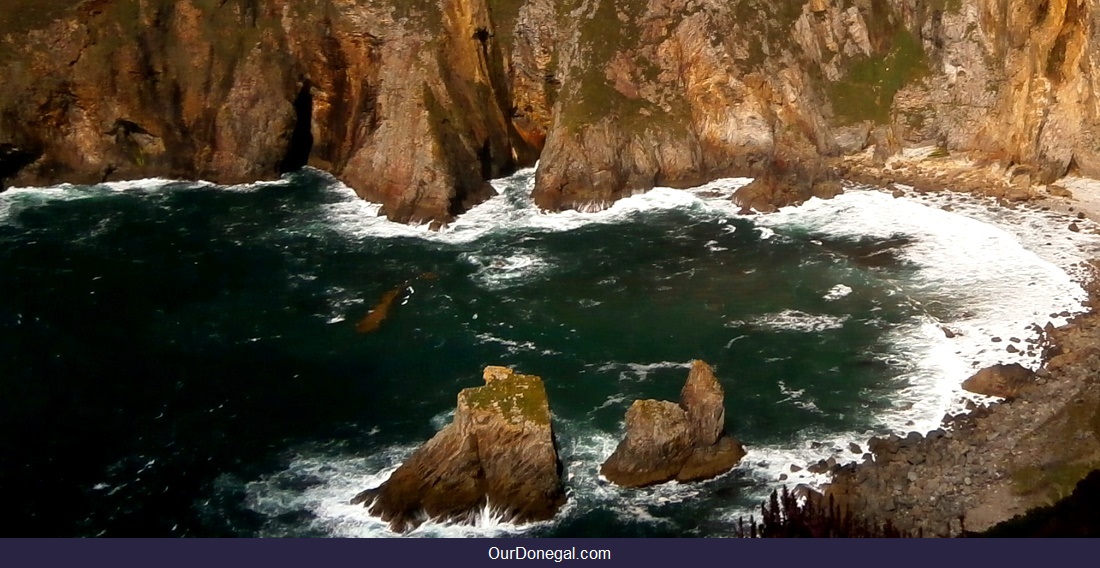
x: 519, y: 395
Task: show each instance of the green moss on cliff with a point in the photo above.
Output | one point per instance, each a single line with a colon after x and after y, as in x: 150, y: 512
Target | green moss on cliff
x: 867, y: 92
x: 612, y: 34
x: 1052, y: 482
x: 520, y: 396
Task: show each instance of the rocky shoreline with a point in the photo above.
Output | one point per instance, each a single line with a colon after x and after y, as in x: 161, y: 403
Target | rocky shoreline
x: 987, y: 466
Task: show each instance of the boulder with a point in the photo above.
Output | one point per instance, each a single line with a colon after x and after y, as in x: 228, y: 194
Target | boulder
x: 1006, y: 381
x: 685, y: 441
x: 499, y: 450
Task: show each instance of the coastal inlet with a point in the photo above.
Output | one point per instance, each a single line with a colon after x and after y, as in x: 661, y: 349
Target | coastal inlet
x: 184, y: 359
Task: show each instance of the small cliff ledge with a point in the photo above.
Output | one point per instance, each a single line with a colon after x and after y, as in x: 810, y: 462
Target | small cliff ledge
x: 685, y: 441
x: 499, y: 450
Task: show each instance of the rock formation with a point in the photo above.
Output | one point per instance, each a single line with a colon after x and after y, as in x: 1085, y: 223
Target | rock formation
x: 415, y: 104
x: 499, y: 450
x: 685, y: 441
x: 406, y: 102
x: 1005, y: 381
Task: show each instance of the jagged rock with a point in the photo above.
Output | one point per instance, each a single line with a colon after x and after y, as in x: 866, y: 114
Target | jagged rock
x: 499, y: 449
x: 685, y: 441
x: 703, y: 399
x: 1000, y: 380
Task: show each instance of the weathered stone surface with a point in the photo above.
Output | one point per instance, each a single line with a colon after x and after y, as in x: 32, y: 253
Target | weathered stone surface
x: 1005, y: 381
x: 685, y: 441
x: 498, y: 450
x: 703, y: 399
x: 656, y: 446
x: 706, y: 462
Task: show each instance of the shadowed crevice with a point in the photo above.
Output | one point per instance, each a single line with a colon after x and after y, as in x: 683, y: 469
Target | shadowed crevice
x: 301, y: 140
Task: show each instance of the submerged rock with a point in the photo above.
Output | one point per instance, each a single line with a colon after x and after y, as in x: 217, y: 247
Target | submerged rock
x: 1005, y: 381
x: 685, y: 441
x: 499, y: 450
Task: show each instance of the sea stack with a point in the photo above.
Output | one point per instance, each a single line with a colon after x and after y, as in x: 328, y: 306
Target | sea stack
x: 666, y: 441
x: 499, y: 450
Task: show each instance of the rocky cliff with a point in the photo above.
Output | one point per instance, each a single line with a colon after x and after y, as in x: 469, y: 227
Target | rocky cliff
x: 406, y: 102
x: 415, y: 104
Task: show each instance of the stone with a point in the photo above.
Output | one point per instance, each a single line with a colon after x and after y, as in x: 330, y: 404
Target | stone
x: 1006, y: 381
x: 686, y: 441
x: 704, y: 400
x: 655, y: 448
x: 854, y: 448
x: 711, y: 461
x: 499, y: 450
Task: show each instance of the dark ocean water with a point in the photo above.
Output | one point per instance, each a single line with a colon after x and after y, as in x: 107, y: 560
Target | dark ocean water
x: 182, y: 359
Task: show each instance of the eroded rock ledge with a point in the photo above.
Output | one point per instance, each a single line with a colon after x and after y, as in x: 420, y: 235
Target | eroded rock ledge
x: 499, y: 450
x: 666, y: 441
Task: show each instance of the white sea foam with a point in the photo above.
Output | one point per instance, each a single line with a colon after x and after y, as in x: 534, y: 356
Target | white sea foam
x: 511, y: 345
x: 513, y: 211
x: 16, y: 199
x: 500, y: 271
x: 640, y: 372
x: 983, y: 271
x: 837, y: 292
x: 793, y: 320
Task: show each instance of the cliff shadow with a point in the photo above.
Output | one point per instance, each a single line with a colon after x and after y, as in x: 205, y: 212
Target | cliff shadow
x: 300, y: 145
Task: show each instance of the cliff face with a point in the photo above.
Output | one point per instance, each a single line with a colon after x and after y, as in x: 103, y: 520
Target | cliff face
x: 674, y: 91
x: 406, y: 102
x: 415, y: 104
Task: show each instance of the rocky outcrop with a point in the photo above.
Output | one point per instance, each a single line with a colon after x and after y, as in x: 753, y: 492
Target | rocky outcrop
x: 685, y: 441
x: 1005, y: 381
x: 498, y: 451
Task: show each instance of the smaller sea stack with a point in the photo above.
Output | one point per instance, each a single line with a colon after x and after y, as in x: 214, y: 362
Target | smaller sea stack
x: 685, y: 441
x: 499, y: 450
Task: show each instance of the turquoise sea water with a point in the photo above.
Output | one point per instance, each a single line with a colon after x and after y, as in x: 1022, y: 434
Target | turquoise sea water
x: 182, y: 359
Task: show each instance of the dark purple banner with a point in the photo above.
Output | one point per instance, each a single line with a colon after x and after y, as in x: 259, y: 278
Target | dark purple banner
x: 682, y: 553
